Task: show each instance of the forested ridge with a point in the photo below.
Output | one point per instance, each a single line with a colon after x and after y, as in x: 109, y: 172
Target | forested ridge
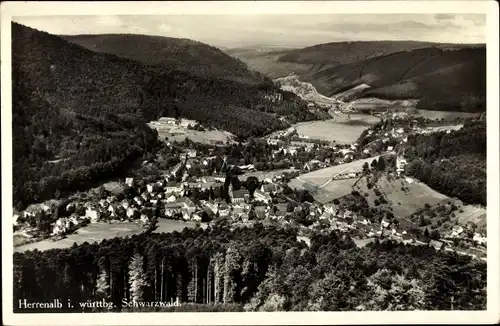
x: 80, y: 116
x: 447, y: 77
x: 188, y: 55
x: 257, y: 269
x: 453, y: 164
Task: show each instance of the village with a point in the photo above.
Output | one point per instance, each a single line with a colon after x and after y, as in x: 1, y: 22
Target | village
x: 193, y: 190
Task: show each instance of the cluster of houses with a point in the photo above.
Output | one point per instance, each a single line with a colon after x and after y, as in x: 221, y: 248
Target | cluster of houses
x: 184, y: 123
x: 274, y: 97
x: 458, y: 232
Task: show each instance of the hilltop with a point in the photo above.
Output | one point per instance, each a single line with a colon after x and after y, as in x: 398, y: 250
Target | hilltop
x: 72, y: 105
x: 441, y: 76
x: 179, y: 54
x: 340, y: 53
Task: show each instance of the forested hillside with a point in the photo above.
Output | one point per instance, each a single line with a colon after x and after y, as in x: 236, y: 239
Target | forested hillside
x: 449, y: 77
x: 179, y: 54
x: 454, y: 163
x: 252, y: 269
x: 340, y: 53
x: 73, y: 107
x: 57, y: 150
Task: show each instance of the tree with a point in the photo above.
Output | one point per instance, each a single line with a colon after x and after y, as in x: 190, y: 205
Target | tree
x: 434, y: 235
x: 381, y: 164
x: 366, y: 168
x: 102, y: 286
x: 137, y: 278
x: 251, y: 184
x: 374, y: 164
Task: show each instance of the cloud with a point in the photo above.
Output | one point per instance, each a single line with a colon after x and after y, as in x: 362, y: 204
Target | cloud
x: 441, y: 17
x: 283, y: 30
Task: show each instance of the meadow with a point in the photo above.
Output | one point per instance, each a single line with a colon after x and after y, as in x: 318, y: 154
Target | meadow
x: 320, y: 185
x: 339, y: 129
x: 404, y: 202
x: 96, y: 232
x: 446, y: 115
x: 179, y: 133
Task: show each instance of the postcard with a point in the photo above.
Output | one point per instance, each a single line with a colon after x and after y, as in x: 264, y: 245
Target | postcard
x: 249, y: 163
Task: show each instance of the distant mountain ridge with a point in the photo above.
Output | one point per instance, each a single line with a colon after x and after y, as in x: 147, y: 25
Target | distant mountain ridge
x: 441, y: 76
x: 174, y: 53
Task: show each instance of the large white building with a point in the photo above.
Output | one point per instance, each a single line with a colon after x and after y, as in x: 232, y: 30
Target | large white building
x: 400, y: 164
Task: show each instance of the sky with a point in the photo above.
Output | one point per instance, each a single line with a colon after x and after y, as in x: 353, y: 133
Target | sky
x: 286, y: 30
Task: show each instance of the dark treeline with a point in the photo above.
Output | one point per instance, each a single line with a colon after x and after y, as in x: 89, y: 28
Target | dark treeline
x: 259, y: 269
x: 454, y: 163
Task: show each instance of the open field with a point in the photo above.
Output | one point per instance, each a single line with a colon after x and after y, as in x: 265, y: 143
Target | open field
x: 167, y: 226
x: 352, y: 91
x: 268, y: 64
x: 320, y: 177
x: 404, y: 203
x: 339, y: 129
x: 114, y: 187
x: 378, y: 104
x: 360, y: 243
x: 321, y: 188
x: 334, y: 189
x: 446, y: 115
x: 179, y: 133
x: 96, y: 232
x: 471, y: 213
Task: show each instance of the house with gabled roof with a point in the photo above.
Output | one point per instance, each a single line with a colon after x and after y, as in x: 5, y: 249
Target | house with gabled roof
x: 130, y: 182
x: 407, y: 239
x: 438, y: 245
x: 269, y: 188
x: 93, y: 214
x: 174, y: 187
x: 259, y: 195
x: 138, y: 200
x: 223, y: 209
x: 240, y: 195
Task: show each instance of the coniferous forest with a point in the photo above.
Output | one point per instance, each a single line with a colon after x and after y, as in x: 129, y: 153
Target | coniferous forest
x: 452, y: 163
x: 250, y: 269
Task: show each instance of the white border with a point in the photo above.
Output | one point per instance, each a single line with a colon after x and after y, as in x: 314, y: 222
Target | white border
x: 491, y: 315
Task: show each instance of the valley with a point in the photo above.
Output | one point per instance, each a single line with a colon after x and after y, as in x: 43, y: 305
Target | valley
x: 214, y: 177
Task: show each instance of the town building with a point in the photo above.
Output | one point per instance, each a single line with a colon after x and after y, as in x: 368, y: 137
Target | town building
x: 174, y: 187
x: 438, y: 245
x: 270, y: 188
x: 239, y: 196
x: 129, y: 182
x: 400, y: 165
x: 190, y: 153
x: 259, y: 195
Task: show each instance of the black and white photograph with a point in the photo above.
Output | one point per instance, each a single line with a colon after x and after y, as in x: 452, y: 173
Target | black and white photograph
x: 201, y: 159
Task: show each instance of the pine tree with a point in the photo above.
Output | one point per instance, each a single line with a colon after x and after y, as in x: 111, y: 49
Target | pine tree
x: 102, y: 286
x: 218, y: 277
x: 137, y: 278
x: 232, y: 266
